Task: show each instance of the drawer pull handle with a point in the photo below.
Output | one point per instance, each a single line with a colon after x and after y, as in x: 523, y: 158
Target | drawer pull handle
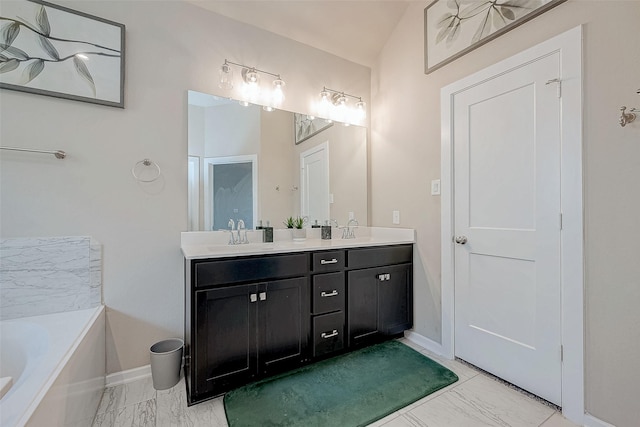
x: 383, y: 277
x: 333, y: 293
x: 333, y: 333
x: 331, y: 261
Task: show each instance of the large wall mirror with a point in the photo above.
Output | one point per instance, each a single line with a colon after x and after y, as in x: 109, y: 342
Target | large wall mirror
x: 249, y: 164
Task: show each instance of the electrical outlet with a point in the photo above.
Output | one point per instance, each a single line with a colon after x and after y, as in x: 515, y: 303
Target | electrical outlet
x: 435, y: 187
x: 396, y: 217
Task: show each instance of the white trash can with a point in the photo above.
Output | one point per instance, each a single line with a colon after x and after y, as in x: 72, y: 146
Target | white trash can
x: 166, y: 362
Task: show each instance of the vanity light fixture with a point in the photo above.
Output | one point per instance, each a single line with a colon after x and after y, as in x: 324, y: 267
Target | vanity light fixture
x: 333, y: 103
x: 251, y: 86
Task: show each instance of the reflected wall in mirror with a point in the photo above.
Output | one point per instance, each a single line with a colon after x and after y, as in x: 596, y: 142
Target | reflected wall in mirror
x: 244, y: 164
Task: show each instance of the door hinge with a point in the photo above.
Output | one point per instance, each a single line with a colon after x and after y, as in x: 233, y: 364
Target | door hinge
x: 561, y: 221
x: 561, y: 353
x: 558, y: 86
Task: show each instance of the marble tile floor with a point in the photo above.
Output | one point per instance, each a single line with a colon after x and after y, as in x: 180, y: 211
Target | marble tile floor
x: 475, y: 400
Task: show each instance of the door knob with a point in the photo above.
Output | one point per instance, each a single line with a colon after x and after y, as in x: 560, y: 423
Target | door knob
x: 461, y: 240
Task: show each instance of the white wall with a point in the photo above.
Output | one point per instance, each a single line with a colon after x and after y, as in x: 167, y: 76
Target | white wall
x: 276, y: 200
x: 405, y: 129
x: 171, y: 47
x: 231, y: 130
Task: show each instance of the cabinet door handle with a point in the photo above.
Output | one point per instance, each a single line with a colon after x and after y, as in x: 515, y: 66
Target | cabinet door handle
x: 263, y: 296
x: 332, y: 334
x: 330, y: 261
x: 383, y: 277
x: 253, y: 297
x: 333, y: 293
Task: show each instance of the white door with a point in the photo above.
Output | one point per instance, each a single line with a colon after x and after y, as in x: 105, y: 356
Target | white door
x: 314, y: 183
x: 506, y: 142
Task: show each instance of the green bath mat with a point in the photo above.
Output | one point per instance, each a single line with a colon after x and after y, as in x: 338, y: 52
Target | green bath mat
x: 351, y: 390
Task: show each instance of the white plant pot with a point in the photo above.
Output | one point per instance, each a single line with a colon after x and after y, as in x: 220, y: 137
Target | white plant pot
x: 299, y: 234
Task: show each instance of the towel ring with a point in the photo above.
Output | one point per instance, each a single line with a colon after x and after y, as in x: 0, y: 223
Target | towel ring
x: 146, y: 163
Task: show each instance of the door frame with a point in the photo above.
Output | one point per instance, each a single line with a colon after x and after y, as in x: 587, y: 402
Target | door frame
x: 569, y: 45
x: 209, y: 162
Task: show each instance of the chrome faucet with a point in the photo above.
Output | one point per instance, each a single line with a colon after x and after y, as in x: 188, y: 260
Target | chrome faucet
x: 242, y: 233
x: 232, y: 227
x: 348, y: 231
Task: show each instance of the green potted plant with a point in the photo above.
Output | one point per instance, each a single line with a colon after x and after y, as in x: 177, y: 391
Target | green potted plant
x: 296, y: 224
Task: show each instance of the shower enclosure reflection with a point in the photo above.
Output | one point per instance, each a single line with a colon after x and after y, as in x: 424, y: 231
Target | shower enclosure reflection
x: 244, y: 164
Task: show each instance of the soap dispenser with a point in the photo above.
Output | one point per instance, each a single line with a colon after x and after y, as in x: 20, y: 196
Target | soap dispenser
x: 268, y: 233
x: 325, y: 231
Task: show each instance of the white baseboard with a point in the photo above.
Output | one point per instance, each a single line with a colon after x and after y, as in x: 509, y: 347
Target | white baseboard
x: 425, y: 342
x: 591, y: 421
x: 124, y: 377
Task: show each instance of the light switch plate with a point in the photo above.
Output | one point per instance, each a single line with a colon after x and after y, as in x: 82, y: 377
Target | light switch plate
x: 435, y: 187
x: 396, y: 217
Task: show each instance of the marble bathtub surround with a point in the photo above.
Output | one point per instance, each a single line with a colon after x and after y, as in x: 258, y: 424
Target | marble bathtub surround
x: 49, y: 275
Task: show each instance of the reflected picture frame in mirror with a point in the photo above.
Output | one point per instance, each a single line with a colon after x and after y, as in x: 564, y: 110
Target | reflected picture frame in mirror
x: 306, y: 126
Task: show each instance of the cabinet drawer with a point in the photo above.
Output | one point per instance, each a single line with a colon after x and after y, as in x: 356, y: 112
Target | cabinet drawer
x: 328, y: 333
x: 328, y: 292
x: 238, y: 270
x: 383, y: 255
x: 328, y: 261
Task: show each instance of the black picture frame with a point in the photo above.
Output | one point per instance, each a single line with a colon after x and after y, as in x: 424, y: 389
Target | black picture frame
x: 51, y: 50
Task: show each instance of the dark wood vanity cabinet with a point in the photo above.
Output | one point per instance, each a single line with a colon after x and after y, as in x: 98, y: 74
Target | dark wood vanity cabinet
x: 243, y: 331
x: 328, y: 302
x: 380, y: 298
x: 250, y: 317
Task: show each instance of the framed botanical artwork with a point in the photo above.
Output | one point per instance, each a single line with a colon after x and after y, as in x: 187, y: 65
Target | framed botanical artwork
x: 305, y: 127
x: 51, y: 50
x: 453, y: 28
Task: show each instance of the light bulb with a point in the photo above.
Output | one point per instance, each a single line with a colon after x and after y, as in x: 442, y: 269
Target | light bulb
x: 250, y: 89
x: 252, y: 77
x: 341, y: 111
x: 226, y: 77
x: 278, y: 93
x: 361, y: 110
x: 323, y: 108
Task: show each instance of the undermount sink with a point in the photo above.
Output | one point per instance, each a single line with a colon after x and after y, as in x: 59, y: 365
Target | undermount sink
x: 242, y: 247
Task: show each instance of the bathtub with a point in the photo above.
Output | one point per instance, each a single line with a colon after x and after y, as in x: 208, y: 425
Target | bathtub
x: 56, y: 363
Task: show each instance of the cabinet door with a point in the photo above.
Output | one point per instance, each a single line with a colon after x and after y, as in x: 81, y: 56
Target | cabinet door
x: 395, y: 302
x: 283, y: 326
x: 225, y: 338
x: 362, y: 306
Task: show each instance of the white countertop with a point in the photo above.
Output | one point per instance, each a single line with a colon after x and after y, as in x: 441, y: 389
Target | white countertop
x: 214, y: 244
